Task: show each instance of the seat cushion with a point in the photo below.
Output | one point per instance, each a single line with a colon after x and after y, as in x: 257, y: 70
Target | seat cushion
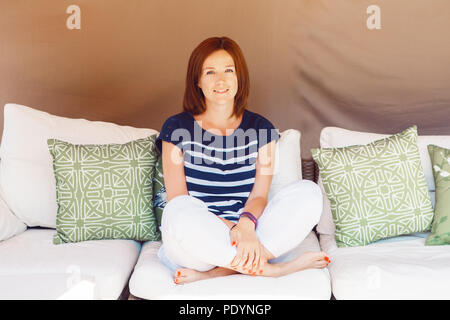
x: 288, y: 162
x: 397, y: 268
x: 32, y: 267
x: 151, y: 279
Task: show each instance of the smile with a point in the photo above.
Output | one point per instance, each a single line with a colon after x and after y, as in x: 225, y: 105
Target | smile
x: 221, y: 91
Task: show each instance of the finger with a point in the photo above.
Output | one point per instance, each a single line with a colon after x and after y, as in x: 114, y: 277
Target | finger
x: 233, y: 238
x: 249, y: 263
x: 244, y: 258
x: 255, y: 262
x: 239, y: 257
x: 235, y: 260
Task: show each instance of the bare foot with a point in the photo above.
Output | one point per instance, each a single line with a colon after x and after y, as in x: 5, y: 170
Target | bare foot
x: 184, y: 275
x: 308, y: 260
x: 312, y: 260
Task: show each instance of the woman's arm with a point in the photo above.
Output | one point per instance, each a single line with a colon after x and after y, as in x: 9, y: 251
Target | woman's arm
x: 173, y: 170
x: 250, y: 253
x: 257, y: 200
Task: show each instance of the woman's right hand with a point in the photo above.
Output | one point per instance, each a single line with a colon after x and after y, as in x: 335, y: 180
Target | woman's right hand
x: 250, y: 257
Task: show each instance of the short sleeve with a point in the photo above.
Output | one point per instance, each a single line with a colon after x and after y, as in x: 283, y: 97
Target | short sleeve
x: 169, y: 133
x: 266, y: 132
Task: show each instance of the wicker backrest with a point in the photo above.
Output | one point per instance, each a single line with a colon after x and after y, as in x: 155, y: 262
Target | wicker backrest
x: 310, y: 170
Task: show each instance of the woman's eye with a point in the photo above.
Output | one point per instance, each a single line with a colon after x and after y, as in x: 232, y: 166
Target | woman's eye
x: 210, y: 72
x: 229, y: 70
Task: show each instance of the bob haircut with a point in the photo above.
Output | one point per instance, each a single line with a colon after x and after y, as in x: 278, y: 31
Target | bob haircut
x: 194, y: 100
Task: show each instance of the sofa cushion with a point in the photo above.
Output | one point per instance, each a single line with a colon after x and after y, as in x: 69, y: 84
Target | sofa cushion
x: 397, y: 268
x: 10, y: 225
x: 288, y: 162
x: 26, y: 170
x: 440, y: 232
x: 151, y: 279
x: 377, y: 190
x: 104, y: 191
x: 333, y: 137
x: 32, y: 267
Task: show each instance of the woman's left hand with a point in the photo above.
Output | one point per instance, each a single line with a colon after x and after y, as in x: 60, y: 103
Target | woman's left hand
x: 250, y: 253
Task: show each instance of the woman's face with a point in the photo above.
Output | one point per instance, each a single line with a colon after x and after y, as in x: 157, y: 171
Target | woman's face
x: 218, y: 79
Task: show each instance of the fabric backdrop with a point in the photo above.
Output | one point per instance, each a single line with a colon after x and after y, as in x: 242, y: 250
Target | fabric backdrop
x: 313, y: 63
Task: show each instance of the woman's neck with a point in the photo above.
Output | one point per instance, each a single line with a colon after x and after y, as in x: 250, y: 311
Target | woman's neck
x: 218, y: 117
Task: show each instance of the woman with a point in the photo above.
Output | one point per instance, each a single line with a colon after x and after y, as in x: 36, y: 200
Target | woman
x: 218, y: 165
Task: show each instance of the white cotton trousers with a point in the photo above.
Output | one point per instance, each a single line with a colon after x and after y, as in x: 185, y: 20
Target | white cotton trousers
x: 197, y: 239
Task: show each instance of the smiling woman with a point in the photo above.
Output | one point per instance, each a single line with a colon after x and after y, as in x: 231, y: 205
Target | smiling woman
x: 218, y: 220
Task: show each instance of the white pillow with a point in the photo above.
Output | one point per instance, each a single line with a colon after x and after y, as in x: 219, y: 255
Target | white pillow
x: 10, y: 225
x: 26, y: 167
x: 288, y: 162
x: 333, y: 137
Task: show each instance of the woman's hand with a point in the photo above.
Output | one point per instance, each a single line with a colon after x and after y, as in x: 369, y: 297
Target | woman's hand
x: 250, y: 252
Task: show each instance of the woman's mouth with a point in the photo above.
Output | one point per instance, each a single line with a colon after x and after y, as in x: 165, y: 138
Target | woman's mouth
x: 221, y: 91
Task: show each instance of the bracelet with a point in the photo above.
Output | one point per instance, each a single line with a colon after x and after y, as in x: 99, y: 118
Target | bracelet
x: 250, y: 216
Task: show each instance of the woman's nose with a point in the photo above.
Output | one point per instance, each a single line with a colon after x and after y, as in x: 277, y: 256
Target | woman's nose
x: 220, y: 77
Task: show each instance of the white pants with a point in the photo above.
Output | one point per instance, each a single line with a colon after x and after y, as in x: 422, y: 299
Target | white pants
x: 197, y: 239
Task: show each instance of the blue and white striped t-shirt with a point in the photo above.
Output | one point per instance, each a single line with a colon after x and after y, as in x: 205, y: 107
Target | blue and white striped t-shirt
x: 220, y: 170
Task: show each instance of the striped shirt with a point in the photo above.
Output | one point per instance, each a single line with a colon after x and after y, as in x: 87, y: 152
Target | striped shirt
x: 220, y: 170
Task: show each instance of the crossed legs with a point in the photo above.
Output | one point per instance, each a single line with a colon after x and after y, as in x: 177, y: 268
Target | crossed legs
x: 198, y: 242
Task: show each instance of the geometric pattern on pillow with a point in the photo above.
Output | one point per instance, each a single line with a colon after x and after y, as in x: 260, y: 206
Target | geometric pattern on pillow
x: 376, y: 191
x: 104, y: 191
x: 440, y: 161
x: 159, y: 191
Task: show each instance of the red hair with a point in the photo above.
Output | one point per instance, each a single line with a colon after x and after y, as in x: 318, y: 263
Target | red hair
x: 194, y: 100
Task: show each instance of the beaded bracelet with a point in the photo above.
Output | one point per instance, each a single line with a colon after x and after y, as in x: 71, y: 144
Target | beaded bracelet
x: 250, y: 216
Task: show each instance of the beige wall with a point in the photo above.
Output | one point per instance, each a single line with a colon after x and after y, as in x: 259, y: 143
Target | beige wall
x: 312, y: 62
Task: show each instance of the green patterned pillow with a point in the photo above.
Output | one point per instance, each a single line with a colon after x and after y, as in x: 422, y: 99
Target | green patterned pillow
x: 376, y: 191
x: 104, y: 191
x: 440, y: 160
x: 159, y: 191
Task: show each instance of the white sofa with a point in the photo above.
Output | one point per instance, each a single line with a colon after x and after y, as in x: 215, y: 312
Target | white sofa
x: 396, y: 268
x: 32, y: 267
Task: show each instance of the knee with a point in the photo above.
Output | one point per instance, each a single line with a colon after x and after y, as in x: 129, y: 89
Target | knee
x: 306, y: 189
x: 179, y: 211
x: 312, y: 189
x: 307, y: 194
